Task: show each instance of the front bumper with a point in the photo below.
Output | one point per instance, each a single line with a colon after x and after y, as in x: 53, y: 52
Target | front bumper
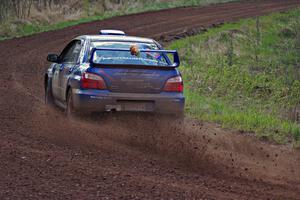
x: 104, y: 100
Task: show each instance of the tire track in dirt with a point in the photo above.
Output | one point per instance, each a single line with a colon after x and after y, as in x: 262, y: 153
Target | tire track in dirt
x: 44, y: 156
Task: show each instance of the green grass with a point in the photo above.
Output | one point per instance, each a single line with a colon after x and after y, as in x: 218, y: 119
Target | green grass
x: 246, y: 75
x: 8, y: 30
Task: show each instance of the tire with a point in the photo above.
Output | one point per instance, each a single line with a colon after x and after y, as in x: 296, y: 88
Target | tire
x: 180, y: 118
x: 174, y: 121
x: 49, y: 100
x: 70, y: 111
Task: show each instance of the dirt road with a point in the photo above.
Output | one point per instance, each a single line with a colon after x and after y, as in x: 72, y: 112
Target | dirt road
x: 44, y: 156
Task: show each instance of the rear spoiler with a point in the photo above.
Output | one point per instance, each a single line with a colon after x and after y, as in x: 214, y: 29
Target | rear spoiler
x: 175, y: 64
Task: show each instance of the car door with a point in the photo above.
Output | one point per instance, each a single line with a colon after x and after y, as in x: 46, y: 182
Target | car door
x: 70, y: 63
x: 68, y: 60
x: 55, y: 81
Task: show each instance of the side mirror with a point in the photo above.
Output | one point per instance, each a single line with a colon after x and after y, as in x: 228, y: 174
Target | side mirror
x: 53, y: 58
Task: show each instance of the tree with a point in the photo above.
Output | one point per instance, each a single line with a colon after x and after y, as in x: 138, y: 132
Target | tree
x: 4, y: 9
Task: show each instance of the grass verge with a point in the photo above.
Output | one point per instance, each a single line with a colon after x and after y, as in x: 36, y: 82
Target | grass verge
x: 246, y: 75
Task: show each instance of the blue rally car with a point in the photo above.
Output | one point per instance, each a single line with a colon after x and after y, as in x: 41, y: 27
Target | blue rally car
x: 115, y: 72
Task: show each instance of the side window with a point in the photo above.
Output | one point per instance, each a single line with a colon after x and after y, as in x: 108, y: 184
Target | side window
x: 71, y: 52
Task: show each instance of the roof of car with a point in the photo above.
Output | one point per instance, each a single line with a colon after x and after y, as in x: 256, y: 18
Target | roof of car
x: 117, y: 38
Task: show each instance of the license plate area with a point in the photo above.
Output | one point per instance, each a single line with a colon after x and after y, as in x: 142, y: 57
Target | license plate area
x: 136, y: 106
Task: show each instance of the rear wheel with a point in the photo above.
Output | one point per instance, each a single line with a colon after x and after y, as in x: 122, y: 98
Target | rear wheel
x: 177, y: 124
x: 49, y: 100
x: 70, y: 111
x: 172, y: 121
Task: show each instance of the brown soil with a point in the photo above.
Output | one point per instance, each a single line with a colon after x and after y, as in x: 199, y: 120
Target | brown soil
x: 44, y: 156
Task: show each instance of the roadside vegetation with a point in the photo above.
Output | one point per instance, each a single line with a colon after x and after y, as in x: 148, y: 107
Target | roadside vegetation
x: 246, y: 76
x: 26, y: 17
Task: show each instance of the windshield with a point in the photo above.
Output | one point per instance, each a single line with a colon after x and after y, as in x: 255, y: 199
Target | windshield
x: 131, y: 57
